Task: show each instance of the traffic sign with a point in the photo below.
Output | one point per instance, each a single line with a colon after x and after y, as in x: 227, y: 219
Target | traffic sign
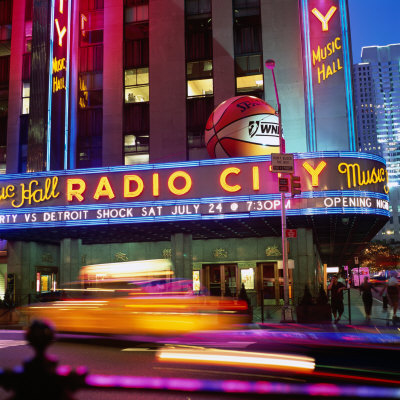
x: 283, y: 184
x: 291, y: 233
x: 356, y: 260
x: 283, y: 163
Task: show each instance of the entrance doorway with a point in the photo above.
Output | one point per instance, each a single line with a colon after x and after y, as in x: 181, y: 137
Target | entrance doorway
x: 220, y: 279
x: 270, y: 287
x: 46, y: 279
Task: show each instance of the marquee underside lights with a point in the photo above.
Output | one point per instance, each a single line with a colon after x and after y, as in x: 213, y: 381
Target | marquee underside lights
x: 332, y: 183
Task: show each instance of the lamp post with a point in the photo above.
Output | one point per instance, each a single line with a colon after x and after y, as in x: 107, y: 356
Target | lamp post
x: 287, y: 312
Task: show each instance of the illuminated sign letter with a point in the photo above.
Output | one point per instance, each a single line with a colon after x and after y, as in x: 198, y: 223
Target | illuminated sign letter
x: 224, y: 175
x: 104, y: 189
x: 324, y: 19
x: 75, y: 188
x: 171, y: 183
x: 156, y: 185
x: 61, y: 33
x: 256, y: 178
x: 127, y: 180
x: 62, y: 6
x: 314, y: 172
x: 83, y: 20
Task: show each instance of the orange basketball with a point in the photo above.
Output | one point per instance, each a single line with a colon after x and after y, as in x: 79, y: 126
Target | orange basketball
x: 242, y: 126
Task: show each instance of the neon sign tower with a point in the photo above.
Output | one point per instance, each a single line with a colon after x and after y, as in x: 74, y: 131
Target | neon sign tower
x: 327, y: 65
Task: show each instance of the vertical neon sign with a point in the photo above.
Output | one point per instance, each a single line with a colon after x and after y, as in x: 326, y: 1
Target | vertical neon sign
x: 58, y: 111
x: 328, y: 75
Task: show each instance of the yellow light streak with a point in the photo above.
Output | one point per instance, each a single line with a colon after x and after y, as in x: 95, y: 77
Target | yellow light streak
x: 239, y: 358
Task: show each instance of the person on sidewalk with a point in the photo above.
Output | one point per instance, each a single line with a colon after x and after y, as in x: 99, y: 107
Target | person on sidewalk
x: 385, y: 300
x: 366, y: 289
x: 393, y: 292
x: 336, y: 288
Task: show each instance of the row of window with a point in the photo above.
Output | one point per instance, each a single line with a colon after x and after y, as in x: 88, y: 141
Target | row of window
x: 199, y: 71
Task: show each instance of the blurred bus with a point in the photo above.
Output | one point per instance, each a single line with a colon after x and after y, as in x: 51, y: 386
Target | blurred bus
x: 358, y: 274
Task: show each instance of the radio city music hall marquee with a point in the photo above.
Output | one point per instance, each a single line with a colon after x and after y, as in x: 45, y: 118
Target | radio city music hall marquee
x: 208, y: 189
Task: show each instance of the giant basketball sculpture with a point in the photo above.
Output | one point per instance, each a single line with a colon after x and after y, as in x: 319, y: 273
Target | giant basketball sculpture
x: 242, y: 126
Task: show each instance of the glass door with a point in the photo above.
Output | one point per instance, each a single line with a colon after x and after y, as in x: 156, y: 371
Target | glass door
x: 221, y: 279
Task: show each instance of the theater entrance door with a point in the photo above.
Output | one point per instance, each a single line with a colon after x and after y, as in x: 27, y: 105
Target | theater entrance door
x: 220, y: 279
x: 270, y: 283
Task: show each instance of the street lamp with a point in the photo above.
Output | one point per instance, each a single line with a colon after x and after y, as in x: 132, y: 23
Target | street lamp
x: 287, y: 312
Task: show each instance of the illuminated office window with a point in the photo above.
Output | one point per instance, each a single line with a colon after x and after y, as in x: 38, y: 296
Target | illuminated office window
x: 200, y: 87
x: 136, y: 85
x: 245, y: 84
x: 26, y: 92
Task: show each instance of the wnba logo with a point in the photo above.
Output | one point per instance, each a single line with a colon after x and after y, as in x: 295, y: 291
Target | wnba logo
x: 263, y: 128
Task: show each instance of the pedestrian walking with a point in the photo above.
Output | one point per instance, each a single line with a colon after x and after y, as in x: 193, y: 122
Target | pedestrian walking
x: 336, y: 288
x: 385, y: 300
x: 393, y: 292
x: 367, y: 298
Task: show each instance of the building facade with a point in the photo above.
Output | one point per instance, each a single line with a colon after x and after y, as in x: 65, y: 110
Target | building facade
x: 103, y: 86
x: 377, y: 94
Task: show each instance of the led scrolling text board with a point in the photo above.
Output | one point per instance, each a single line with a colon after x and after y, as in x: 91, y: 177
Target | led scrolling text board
x: 222, y: 188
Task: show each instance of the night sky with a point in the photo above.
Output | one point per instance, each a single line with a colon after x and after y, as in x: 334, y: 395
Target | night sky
x: 373, y: 23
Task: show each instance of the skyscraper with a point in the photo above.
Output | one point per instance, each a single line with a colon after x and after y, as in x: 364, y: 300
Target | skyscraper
x: 377, y: 88
x: 377, y: 99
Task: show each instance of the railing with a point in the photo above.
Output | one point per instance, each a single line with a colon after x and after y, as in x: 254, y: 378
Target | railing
x: 41, y: 378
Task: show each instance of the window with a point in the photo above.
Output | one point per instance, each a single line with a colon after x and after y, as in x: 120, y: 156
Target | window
x: 26, y: 92
x: 89, y: 5
x: 90, y: 90
x: 136, y: 85
x: 248, y: 65
x: 199, y: 44
x: 90, y: 126
x: 91, y: 58
x: 136, y: 52
x: 5, y: 12
x: 136, y: 11
x: 136, y: 143
x: 198, y: 110
x: 197, y: 7
x: 200, y: 87
x: 199, y: 69
x: 245, y: 84
x: 91, y: 25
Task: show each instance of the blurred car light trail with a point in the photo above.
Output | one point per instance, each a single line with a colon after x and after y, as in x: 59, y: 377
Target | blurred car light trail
x: 238, y: 358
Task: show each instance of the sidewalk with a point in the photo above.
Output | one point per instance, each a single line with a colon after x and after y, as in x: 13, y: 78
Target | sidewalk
x: 355, y: 314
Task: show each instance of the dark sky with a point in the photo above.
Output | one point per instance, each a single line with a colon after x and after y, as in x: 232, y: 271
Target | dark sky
x: 373, y: 23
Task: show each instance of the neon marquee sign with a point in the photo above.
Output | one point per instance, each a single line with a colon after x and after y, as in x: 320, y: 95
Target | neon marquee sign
x: 222, y: 188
